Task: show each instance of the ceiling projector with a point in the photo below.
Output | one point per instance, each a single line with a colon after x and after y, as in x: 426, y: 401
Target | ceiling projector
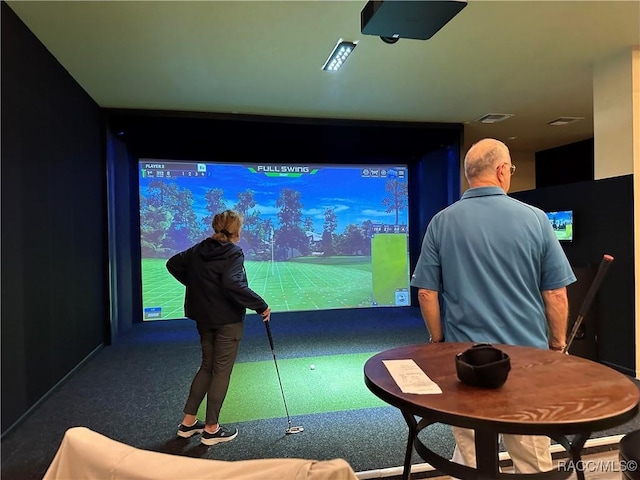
x: 415, y: 19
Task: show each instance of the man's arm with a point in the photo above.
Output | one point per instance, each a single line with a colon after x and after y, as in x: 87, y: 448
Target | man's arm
x: 430, y: 309
x: 556, y: 305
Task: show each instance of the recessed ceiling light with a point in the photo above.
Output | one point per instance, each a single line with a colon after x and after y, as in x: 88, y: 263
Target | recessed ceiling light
x: 561, y: 121
x: 339, y: 55
x: 494, y: 117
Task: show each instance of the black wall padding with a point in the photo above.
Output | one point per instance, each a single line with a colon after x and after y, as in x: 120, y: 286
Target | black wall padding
x: 603, y: 223
x: 54, y: 275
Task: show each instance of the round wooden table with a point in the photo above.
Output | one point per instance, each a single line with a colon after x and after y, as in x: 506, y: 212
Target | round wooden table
x: 547, y: 393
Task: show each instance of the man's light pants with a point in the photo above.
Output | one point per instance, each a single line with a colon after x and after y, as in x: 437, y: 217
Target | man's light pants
x: 530, y: 454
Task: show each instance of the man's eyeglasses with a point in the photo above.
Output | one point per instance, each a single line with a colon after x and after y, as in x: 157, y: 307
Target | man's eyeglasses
x: 512, y: 167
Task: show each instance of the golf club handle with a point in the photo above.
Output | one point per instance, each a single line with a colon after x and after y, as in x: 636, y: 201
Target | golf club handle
x: 572, y: 335
x: 586, y: 303
x: 268, y: 327
x: 602, y: 270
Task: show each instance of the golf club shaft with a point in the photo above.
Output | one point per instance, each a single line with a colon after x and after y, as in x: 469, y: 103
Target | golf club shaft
x: 273, y: 352
x: 586, y: 303
x: 268, y: 327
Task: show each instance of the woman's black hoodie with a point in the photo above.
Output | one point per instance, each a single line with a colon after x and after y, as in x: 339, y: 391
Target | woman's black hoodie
x: 217, y: 291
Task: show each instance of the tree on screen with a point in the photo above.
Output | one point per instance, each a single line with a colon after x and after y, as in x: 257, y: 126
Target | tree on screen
x: 168, y: 209
x: 330, y: 225
x: 154, y: 225
x: 352, y: 241
x: 251, y: 232
x: 367, y: 227
x: 214, y: 204
x: 308, y: 224
x: 397, y: 197
x: 262, y: 233
x: 290, y: 236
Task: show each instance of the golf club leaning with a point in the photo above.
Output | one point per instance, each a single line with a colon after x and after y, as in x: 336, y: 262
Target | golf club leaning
x: 291, y: 429
x: 602, y: 269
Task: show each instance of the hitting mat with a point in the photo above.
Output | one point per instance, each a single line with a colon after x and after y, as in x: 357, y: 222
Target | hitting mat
x: 335, y: 383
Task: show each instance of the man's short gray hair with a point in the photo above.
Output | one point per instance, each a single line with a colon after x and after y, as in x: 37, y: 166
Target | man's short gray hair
x: 483, y: 156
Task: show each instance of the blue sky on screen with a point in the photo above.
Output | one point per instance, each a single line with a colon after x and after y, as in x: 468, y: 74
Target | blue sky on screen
x: 565, y: 216
x: 354, y: 197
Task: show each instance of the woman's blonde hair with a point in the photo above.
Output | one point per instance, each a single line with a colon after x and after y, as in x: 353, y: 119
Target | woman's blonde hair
x: 227, y: 226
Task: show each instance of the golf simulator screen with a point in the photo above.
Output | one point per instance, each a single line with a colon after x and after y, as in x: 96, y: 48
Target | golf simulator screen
x: 315, y: 236
x: 562, y: 223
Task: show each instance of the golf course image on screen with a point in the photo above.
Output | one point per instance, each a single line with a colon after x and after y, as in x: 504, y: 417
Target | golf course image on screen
x: 562, y: 224
x: 315, y: 236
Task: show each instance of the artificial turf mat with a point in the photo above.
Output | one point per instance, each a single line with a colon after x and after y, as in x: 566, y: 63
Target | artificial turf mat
x: 336, y: 384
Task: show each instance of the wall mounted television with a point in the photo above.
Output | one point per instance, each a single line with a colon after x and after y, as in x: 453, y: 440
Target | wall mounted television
x: 315, y: 236
x: 562, y: 223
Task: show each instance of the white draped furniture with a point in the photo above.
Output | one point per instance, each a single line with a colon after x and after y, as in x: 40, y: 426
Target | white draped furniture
x: 87, y: 455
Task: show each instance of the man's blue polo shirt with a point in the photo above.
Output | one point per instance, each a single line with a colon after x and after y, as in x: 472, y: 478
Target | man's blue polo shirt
x: 490, y: 256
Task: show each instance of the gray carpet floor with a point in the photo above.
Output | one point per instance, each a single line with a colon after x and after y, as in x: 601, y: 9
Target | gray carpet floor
x: 133, y: 391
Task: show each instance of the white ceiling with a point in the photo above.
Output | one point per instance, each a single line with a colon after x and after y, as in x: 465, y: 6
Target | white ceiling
x: 532, y: 59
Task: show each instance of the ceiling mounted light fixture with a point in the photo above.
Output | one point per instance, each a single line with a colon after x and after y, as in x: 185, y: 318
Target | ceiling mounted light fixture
x: 561, y: 121
x: 339, y: 55
x: 494, y: 117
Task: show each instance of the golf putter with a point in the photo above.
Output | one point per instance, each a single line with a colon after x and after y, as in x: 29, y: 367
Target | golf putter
x: 290, y: 430
x: 586, y: 303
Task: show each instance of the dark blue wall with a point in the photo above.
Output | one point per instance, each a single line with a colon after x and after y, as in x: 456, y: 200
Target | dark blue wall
x: 124, y: 237
x: 54, y: 270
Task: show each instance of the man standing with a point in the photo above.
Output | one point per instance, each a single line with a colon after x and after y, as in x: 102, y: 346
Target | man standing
x: 502, y: 275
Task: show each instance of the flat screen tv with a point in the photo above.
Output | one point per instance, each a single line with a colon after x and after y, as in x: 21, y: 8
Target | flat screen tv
x: 315, y: 236
x: 562, y: 223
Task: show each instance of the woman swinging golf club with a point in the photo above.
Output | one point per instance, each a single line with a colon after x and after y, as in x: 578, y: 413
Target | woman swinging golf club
x: 217, y: 296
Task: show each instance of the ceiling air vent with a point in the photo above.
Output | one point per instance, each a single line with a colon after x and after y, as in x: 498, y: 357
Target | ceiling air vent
x: 558, y: 122
x: 493, y: 117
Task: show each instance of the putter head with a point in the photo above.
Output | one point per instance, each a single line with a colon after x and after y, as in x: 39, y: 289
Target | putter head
x: 292, y: 430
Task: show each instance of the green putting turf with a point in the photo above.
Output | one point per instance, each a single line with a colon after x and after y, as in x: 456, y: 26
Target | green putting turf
x: 336, y: 384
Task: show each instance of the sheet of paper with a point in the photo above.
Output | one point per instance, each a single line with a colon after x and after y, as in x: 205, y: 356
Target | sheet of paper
x: 410, y: 377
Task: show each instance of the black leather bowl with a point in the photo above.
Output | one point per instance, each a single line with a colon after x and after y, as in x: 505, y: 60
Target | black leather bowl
x: 483, y: 366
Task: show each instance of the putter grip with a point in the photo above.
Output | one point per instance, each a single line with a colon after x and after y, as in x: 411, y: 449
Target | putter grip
x: 268, y: 327
x: 602, y: 270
